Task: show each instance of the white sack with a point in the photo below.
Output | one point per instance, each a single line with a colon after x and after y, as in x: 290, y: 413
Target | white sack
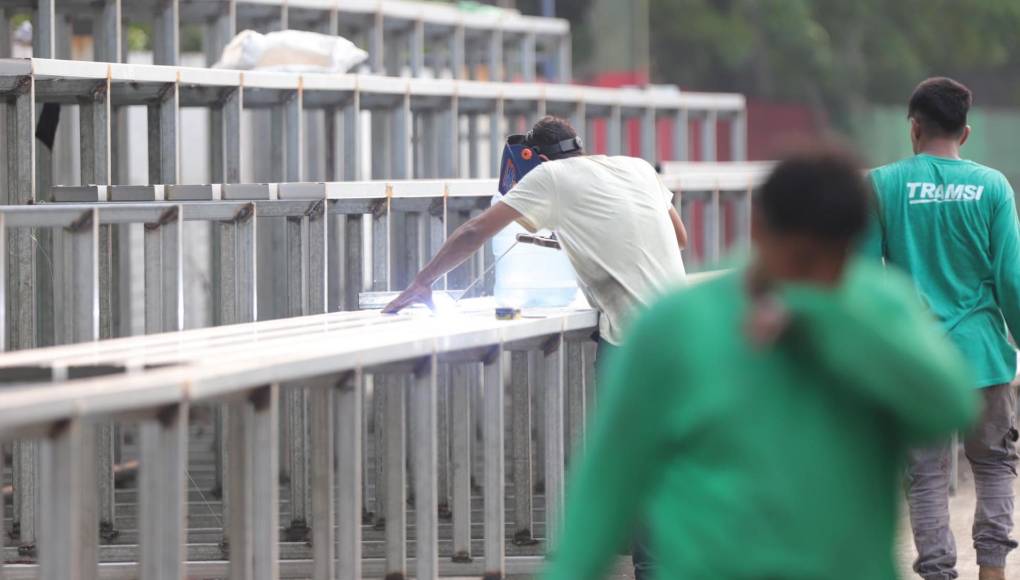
x: 291, y: 51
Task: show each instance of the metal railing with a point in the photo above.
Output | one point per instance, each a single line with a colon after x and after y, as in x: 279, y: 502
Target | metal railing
x: 716, y: 206
x: 329, y: 359
x: 420, y: 128
x: 399, y: 35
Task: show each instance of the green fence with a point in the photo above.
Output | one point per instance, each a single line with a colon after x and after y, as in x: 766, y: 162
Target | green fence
x: 881, y: 135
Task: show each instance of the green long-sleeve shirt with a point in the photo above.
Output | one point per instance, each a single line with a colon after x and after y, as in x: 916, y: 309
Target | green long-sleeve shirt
x: 751, y: 463
x: 952, y: 226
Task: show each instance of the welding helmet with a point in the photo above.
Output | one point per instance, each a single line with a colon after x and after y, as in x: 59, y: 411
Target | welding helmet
x: 521, y: 155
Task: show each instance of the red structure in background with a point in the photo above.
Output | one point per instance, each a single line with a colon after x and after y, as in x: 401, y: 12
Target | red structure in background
x: 773, y: 127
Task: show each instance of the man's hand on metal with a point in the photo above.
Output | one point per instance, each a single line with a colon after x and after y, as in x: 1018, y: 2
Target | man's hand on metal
x: 416, y: 293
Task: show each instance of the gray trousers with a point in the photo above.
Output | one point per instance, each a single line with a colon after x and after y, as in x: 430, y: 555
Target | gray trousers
x: 991, y: 451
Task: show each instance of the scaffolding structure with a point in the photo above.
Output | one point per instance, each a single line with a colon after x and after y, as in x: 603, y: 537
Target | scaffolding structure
x: 316, y: 188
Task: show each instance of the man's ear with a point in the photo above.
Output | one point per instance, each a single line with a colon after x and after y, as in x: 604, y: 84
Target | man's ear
x: 965, y: 136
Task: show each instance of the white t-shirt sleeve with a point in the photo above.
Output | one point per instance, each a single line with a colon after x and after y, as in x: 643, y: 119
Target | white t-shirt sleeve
x: 535, y: 199
x: 667, y: 195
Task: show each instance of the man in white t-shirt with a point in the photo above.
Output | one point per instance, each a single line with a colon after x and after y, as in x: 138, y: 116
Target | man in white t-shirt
x: 612, y: 215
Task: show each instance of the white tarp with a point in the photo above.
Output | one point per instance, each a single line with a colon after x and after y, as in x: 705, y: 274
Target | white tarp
x: 291, y: 51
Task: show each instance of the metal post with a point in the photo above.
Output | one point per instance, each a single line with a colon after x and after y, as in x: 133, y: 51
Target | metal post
x: 349, y: 419
x: 497, y: 137
x: 265, y: 484
x: 166, y: 33
x: 649, y: 142
x: 394, y: 390
x: 565, y: 65
x: 240, y: 470
x: 353, y: 274
x: 614, y: 131
x: 320, y: 409
x: 738, y: 136
x: 713, y: 227
x: 163, y: 500
x: 416, y: 46
x: 163, y: 134
x: 107, y: 38
x: 576, y: 404
x: 681, y: 138
x: 495, y: 466
x: 529, y: 61
x: 352, y: 138
x: 520, y: 441
x: 423, y: 411
x: 231, y: 109
x: 44, y: 29
x: 402, y: 166
x: 554, y: 464
x: 378, y: 44
x: 5, y: 43
x: 464, y: 379
x: 223, y: 28
x: 457, y: 53
x: 293, y: 110
x: 709, y: 145
x: 495, y: 61
x: 60, y: 546
x: 474, y: 163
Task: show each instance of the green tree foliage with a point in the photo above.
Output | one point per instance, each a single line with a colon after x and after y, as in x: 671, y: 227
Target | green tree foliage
x: 837, y: 54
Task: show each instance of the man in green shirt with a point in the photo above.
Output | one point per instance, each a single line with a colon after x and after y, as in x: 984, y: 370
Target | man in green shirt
x: 760, y: 421
x: 951, y: 225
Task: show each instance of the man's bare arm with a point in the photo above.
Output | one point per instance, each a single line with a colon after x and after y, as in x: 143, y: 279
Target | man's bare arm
x: 464, y: 242
x: 678, y: 227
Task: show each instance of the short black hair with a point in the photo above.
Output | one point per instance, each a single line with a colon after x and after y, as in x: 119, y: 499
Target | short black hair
x: 551, y: 130
x: 820, y: 193
x: 941, y: 105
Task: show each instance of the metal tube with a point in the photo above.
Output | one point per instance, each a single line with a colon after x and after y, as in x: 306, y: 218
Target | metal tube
x: 576, y: 408
x: 464, y: 379
x: 709, y: 145
x: 649, y: 140
x: 394, y: 391
x: 681, y: 136
x: 60, y: 548
x: 495, y: 466
x: 520, y: 446
x: 108, y: 37
x: 232, y: 108
x: 322, y: 457
x: 44, y: 29
x: 349, y: 419
x: 353, y: 273
x: 423, y: 411
x: 166, y: 33
x: 163, y: 505
x: 265, y: 483
x: 614, y: 132
x: 239, y: 471
x: 352, y: 138
x: 738, y: 136
x: 295, y: 136
x: 554, y: 464
x: 163, y: 135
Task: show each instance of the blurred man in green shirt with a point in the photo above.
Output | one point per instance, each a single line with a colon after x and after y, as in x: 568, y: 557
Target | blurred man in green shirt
x: 760, y: 421
x: 951, y: 224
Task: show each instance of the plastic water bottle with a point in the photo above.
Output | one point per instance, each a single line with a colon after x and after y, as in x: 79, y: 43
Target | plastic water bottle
x: 531, y: 276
